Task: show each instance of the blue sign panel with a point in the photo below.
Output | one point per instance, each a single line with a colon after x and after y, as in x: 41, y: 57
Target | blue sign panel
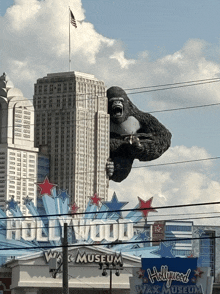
x: 169, y: 276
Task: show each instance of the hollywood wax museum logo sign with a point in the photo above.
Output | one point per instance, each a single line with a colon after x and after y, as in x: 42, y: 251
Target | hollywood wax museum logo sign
x: 102, y: 221
x: 169, y: 276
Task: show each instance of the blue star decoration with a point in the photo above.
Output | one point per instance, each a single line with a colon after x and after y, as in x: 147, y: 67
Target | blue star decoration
x: 12, y: 204
x: 164, y: 250
x: 27, y: 200
x: 63, y: 195
x: 144, y: 236
x: 200, y: 231
x: 113, y: 205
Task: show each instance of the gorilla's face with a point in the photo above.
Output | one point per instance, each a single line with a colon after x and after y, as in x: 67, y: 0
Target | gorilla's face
x: 116, y: 107
x: 117, y: 104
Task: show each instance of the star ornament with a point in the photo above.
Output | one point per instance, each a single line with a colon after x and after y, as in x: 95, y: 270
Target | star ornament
x: 200, y: 231
x: 46, y: 187
x: 95, y: 199
x: 73, y: 208
x: 113, y: 205
x: 63, y: 195
x: 12, y: 204
x: 27, y: 200
x: 158, y: 229
x: 190, y: 256
x: 144, y: 236
x: 145, y: 206
x: 140, y: 273
x: 145, y: 280
x: 164, y: 250
x: 198, y: 273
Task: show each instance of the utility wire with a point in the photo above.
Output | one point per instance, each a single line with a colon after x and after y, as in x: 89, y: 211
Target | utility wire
x: 135, y: 224
x: 145, y: 166
x: 67, y: 122
x: 174, y: 87
x: 178, y: 162
x: 112, y: 211
x: 107, y: 243
x: 180, y: 85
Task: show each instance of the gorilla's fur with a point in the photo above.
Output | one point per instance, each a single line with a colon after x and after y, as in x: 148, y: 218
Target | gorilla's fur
x: 133, y: 135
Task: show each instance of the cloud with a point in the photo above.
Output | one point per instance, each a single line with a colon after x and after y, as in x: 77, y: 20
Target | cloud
x: 175, y: 184
x: 35, y: 40
x: 120, y: 57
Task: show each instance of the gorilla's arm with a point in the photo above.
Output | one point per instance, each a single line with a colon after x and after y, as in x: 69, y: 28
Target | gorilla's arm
x: 120, y: 158
x: 158, y: 140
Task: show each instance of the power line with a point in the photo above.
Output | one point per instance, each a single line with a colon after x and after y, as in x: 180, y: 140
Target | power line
x: 100, y: 171
x: 93, y: 118
x: 112, y: 211
x: 185, y: 108
x: 116, y: 223
x: 178, y: 162
x: 108, y: 243
x: 180, y: 85
x: 171, y: 84
x: 175, y: 87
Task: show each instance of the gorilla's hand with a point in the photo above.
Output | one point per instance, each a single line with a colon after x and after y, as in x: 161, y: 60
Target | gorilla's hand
x: 119, y: 168
x: 110, y: 168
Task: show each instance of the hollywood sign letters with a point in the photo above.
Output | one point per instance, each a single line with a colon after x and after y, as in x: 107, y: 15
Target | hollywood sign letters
x: 97, y: 230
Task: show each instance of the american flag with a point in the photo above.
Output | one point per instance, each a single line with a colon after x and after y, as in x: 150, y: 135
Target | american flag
x: 72, y: 19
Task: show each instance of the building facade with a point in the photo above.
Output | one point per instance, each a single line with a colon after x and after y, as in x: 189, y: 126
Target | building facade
x: 72, y: 123
x: 18, y: 156
x: 183, y: 231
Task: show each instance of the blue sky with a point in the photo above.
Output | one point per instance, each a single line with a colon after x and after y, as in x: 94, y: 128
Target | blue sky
x: 133, y: 44
x: 157, y: 26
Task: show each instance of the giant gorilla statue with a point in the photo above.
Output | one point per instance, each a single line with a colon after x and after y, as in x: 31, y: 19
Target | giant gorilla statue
x: 133, y: 135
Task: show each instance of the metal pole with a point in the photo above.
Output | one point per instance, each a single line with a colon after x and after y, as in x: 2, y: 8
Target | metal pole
x: 110, y: 281
x: 65, y: 261
x: 69, y: 42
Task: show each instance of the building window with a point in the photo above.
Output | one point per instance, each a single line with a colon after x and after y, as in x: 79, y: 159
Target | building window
x: 207, y: 251
x: 59, y: 88
x: 178, y: 228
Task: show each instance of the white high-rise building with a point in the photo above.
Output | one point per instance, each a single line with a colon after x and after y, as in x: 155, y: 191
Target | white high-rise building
x: 18, y: 156
x: 72, y: 124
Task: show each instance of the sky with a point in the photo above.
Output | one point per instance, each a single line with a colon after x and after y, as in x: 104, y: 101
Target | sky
x: 135, y: 44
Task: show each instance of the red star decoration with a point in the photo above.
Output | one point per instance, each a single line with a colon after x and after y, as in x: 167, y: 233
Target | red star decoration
x: 140, y: 273
x: 193, y: 280
x: 158, y: 229
x: 190, y: 256
x: 95, y: 199
x: 144, y: 205
x: 46, y: 187
x: 198, y: 272
x: 74, y: 208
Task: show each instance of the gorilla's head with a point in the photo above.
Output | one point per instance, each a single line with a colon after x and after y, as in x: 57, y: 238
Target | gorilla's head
x: 117, y: 104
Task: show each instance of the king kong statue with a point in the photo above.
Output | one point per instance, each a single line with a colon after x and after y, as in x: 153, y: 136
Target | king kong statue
x: 133, y: 135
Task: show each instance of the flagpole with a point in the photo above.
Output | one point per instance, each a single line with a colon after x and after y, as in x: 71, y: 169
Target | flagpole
x: 69, y: 43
